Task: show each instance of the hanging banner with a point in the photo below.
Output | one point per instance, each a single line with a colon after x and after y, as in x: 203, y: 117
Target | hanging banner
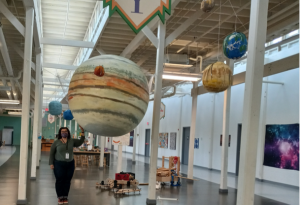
x: 138, y: 13
x: 51, y: 118
x: 122, y: 140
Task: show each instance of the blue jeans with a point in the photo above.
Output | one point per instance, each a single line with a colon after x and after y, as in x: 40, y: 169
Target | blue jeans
x: 63, y: 172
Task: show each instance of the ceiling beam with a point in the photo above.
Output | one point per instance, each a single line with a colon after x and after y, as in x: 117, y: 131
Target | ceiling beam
x: 55, y: 80
x: 20, y: 52
x: 14, y: 21
x: 183, y: 27
x: 150, y: 35
x: 100, y: 51
x: 140, y: 37
x: 7, y: 62
x: 59, y: 66
x: 52, y: 84
x: 63, y: 42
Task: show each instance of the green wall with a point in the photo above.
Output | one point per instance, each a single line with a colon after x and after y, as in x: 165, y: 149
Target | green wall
x: 49, y: 131
x: 15, y: 122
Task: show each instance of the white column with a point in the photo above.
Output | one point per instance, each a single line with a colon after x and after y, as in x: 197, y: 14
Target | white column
x: 225, y: 133
x: 102, y: 143
x: 55, y: 126
x: 25, y: 106
x: 120, y: 151
x: 36, y: 118
x: 192, y: 132
x: 252, y: 101
x: 134, y: 146
x: 65, y: 123
x: 262, y: 131
x: 71, y: 128
x: 211, y: 147
x: 161, y: 34
x: 75, y: 129
x: 40, y: 122
x: 59, y: 122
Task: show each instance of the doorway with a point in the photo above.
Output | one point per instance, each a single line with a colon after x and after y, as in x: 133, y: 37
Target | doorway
x: 185, y: 145
x: 147, y: 143
x: 238, y: 149
x: 7, y: 136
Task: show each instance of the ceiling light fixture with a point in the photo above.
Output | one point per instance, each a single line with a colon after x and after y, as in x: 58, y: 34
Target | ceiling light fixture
x: 15, y: 113
x: 15, y: 102
x: 182, y: 76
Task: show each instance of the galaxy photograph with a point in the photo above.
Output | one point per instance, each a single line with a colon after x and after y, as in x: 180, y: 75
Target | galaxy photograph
x: 282, y: 146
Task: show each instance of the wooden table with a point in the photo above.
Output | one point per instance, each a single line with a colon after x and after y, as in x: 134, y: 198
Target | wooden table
x: 106, y: 155
x: 46, y: 146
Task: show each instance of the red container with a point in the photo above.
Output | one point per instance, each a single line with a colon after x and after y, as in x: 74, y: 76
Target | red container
x: 124, y: 177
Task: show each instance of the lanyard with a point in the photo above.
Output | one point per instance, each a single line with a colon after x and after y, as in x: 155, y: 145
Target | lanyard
x: 66, y: 143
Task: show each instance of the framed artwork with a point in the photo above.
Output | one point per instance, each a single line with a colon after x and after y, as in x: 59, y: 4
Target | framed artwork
x: 163, y: 139
x: 221, y: 139
x: 282, y: 146
x: 196, y: 145
x: 173, y: 140
x: 131, y: 138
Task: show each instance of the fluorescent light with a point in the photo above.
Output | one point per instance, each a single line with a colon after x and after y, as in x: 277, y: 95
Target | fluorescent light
x: 180, y: 66
x: 15, y: 113
x: 182, y: 76
x: 12, y: 109
x: 10, y: 102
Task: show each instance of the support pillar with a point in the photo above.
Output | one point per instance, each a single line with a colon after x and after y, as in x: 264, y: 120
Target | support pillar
x: 120, y: 152
x: 25, y: 106
x: 102, y: 143
x: 65, y: 123
x: 36, y: 118
x: 76, y: 129
x: 59, y: 122
x: 156, y: 112
x: 252, y: 101
x: 134, y: 145
x: 225, y: 134
x: 40, y: 121
x: 193, y: 132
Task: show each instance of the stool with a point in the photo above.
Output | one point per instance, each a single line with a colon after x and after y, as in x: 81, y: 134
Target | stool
x: 96, y: 159
x: 84, y: 160
x: 77, y: 160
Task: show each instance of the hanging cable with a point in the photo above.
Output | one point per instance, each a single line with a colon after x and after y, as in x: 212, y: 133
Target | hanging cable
x: 219, y: 30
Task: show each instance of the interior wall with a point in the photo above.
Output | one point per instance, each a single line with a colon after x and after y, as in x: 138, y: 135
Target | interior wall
x: 15, y: 122
x: 282, y: 108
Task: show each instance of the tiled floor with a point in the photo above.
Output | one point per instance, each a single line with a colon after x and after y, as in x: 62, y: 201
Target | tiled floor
x: 83, y: 191
x: 5, y: 153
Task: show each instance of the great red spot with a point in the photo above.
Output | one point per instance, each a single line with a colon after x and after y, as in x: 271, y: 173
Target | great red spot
x: 99, y: 71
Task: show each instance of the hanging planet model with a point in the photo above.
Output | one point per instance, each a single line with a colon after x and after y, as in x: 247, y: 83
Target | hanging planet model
x: 108, y: 95
x: 217, y: 77
x: 68, y: 115
x: 207, y: 5
x: 235, y: 45
x: 55, y: 108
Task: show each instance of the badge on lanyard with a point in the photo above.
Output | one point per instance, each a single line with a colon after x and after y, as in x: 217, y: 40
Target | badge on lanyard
x: 67, y: 155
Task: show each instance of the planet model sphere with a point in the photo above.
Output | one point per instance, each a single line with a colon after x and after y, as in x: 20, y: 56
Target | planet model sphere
x: 108, y: 95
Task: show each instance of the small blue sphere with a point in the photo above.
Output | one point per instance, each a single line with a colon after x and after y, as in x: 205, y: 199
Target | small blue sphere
x: 68, y: 115
x: 235, y: 45
x: 55, y: 108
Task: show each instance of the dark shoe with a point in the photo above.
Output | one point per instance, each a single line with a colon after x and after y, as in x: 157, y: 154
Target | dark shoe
x: 66, y: 201
x: 60, y: 201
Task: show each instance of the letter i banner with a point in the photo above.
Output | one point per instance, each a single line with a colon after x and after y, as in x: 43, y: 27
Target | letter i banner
x: 138, y: 13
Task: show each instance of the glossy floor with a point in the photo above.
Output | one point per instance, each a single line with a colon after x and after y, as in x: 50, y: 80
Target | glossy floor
x: 83, y: 189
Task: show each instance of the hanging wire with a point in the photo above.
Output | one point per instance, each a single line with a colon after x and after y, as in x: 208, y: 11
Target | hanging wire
x: 219, y: 30
x: 236, y: 17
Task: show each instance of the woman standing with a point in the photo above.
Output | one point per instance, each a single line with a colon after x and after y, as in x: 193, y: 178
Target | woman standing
x: 62, y: 162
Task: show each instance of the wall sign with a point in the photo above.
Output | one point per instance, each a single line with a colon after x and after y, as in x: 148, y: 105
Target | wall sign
x: 138, y: 13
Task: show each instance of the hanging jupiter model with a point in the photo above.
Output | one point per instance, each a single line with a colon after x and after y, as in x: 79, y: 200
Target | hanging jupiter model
x: 207, y: 5
x: 108, y: 95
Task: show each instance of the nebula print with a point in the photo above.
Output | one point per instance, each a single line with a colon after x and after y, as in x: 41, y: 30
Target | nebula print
x: 282, y: 146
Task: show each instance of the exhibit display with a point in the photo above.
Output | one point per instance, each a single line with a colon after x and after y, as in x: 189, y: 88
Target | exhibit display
x: 235, y: 45
x: 55, y: 108
x: 68, y: 115
x: 207, y: 5
x: 217, y: 77
x: 112, y: 104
